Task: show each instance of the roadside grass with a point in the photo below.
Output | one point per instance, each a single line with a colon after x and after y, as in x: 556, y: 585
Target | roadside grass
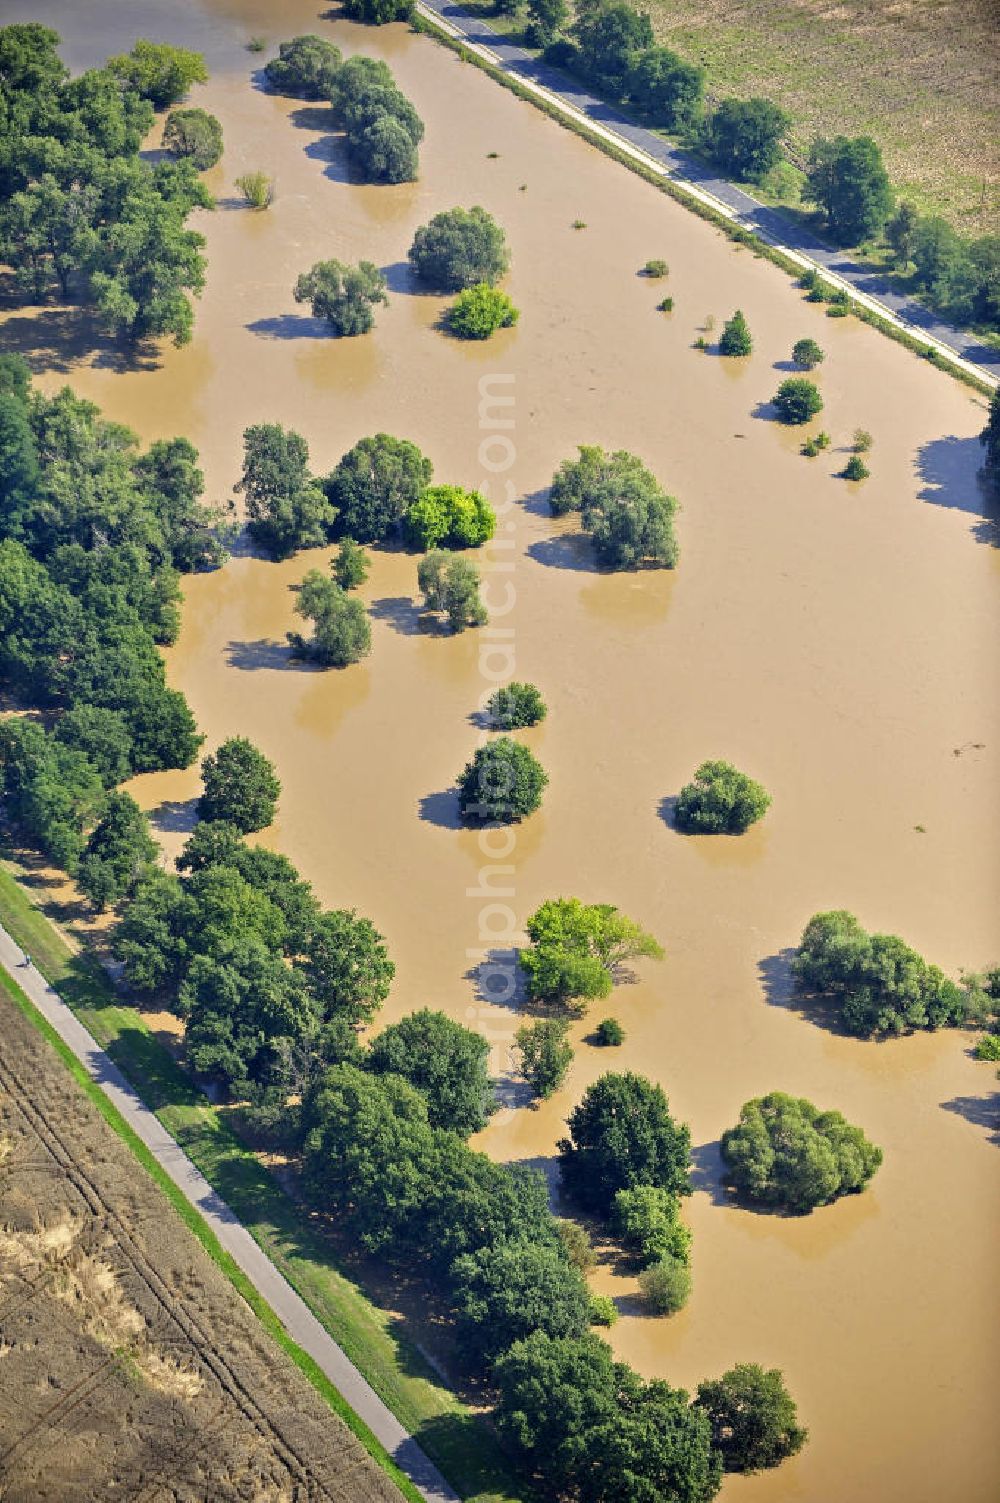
x: 452, y: 1434
x: 678, y: 190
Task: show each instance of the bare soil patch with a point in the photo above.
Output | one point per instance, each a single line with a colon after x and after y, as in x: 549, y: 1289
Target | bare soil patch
x: 130, y: 1366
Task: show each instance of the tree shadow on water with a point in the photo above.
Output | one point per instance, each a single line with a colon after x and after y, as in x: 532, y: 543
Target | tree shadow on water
x: 261, y: 654
x: 981, y: 1111
x: 401, y: 613
x: 291, y: 326
x: 175, y: 816
x: 949, y: 470
x: 707, y: 1173
x: 441, y: 809
x: 573, y: 551
x: 499, y: 981
x: 781, y: 990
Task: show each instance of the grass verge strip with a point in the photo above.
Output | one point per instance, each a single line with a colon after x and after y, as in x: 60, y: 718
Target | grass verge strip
x: 453, y: 1435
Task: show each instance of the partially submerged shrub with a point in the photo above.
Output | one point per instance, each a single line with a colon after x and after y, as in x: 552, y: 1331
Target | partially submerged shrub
x: 855, y: 469
x: 797, y: 400
x: 257, y: 189
x: 666, y: 1285
x: 735, y: 338
x: 195, y: 136
x: 576, y: 949
x: 609, y: 1033
x: 655, y: 269
x: 502, y: 784
x: 720, y: 800
x: 545, y: 1053
x: 807, y: 353
x: 305, y: 67
x: 459, y: 248
x: 785, y: 1152
x: 479, y: 311
x: 515, y: 705
x: 345, y: 296
x: 451, y: 585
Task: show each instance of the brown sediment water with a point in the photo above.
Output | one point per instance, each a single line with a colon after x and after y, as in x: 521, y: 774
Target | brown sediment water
x: 837, y: 642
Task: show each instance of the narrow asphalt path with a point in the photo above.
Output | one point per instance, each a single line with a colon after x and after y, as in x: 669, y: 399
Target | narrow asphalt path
x: 296, y: 1317
x: 770, y: 224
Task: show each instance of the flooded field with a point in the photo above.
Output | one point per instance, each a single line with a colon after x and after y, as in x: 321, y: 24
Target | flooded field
x: 838, y: 643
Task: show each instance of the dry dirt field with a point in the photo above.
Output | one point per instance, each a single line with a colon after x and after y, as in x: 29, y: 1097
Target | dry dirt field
x: 921, y: 76
x: 129, y: 1367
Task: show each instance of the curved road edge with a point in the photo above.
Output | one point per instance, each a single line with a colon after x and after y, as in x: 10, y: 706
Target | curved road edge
x: 291, y: 1310
x: 670, y: 163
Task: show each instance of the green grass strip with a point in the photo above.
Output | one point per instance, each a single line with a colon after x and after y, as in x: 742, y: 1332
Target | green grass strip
x: 682, y: 195
x: 453, y: 1436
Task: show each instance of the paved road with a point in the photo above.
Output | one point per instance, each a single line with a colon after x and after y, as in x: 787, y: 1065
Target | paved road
x: 770, y: 224
x: 298, y: 1320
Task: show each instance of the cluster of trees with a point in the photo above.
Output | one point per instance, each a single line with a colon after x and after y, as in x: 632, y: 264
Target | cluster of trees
x: 271, y: 985
x: 785, y: 1152
x: 81, y: 214
x: 94, y: 536
x: 957, y: 276
x: 379, y: 490
x: 341, y: 632
x: 577, y: 948
x: 990, y: 440
x: 880, y: 984
x: 382, y: 128
x: 622, y: 506
x: 502, y: 784
x: 720, y: 801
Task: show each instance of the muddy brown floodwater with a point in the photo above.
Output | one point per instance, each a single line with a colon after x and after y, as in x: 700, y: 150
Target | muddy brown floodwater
x: 839, y: 643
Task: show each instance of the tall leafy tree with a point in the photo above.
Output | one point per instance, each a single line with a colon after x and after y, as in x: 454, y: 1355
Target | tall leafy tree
x: 240, y: 786
x: 622, y: 1135
x: 847, y: 178
x: 445, y: 1061
x: 117, y: 852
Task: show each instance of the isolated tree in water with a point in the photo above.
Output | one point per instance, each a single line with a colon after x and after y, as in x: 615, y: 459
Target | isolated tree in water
x: 241, y: 786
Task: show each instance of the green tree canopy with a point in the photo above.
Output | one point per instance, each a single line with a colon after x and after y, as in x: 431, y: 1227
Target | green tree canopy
x: 503, y: 783
x: 744, y: 137
x: 546, y: 18
x: 342, y: 632
x: 503, y: 1294
x: 797, y: 400
x: 350, y: 567
x: 54, y: 792
x: 611, y: 39
x: 624, y: 508
x: 459, y: 248
x: 451, y: 585
x: 446, y: 1062
x: 194, y: 135
x: 448, y: 516
x: 990, y: 440
x: 343, y: 295
x: 383, y: 150
x: 622, y: 1135
x: 720, y: 800
x: 591, y: 1429
x: 160, y: 73
x: 118, y: 850
x: 306, y: 67
x: 286, y: 508
x: 515, y: 705
x: 648, y: 1220
x: 735, y: 338
x: 786, y: 1152
x: 577, y: 947
x: 479, y: 311
x: 378, y: 12
x: 375, y: 484
x: 753, y: 1417
x: 669, y: 91
x: 240, y: 786
x: 879, y: 984
x: 807, y: 353
x: 545, y: 1053
x: 347, y: 966
x: 847, y: 178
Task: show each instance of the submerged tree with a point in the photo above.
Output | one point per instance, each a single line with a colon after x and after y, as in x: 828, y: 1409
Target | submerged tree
x: 753, y: 1417
x: 451, y: 585
x: 545, y: 1053
x: 503, y: 783
x: 374, y: 486
x: 305, y: 67
x: 342, y: 632
x: 786, y: 1152
x: 194, y: 135
x: 459, y: 248
x: 720, y: 800
x: 622, y: 1135
x: 627, y: 513
x: 577, y: 947
x: 343, y: 295
x: 286, y: 508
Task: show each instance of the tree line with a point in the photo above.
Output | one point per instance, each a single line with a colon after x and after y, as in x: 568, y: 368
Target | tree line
x: 611, y: 46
